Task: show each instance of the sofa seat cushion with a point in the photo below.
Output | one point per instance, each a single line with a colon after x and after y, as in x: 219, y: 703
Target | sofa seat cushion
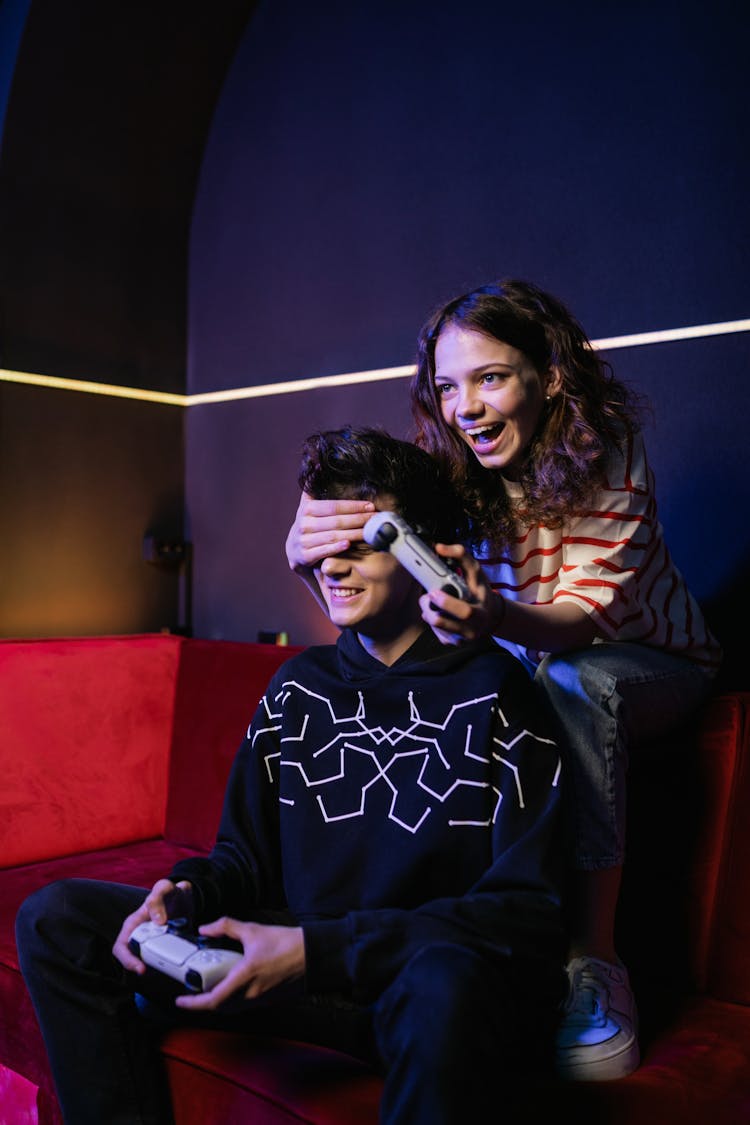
x: 219, y: 1076
x: 695, y: 1071
x: 698, y: 1069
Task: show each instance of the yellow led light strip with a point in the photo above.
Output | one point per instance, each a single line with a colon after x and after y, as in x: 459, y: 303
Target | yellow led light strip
x: 266, y: 390
x: 666, y: 335
x: 293, y: 385
x: 111, y: 390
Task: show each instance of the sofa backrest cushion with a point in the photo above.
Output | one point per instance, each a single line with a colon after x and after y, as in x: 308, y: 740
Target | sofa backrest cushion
x: 728, y: 952
x: 684, y: 921
x: 219, y: 686
x: 85, y: 734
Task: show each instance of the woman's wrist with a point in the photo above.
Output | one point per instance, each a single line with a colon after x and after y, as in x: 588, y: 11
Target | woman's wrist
x: 499, y: 611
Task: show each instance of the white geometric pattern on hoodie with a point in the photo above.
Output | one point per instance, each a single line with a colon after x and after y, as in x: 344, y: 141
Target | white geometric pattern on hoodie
x: 352, y: 756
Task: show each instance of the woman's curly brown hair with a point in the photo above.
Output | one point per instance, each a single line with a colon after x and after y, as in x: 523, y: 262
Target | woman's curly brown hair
x: 566, y: 460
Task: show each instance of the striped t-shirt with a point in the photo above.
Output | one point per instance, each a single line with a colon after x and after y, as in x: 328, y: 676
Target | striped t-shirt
x: 613, y: 562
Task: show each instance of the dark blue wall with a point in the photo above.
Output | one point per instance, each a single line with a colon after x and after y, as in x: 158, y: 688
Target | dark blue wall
x: 367, y: 161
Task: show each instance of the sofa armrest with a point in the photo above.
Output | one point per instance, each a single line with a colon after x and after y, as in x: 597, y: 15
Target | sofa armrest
x: 86, y: 731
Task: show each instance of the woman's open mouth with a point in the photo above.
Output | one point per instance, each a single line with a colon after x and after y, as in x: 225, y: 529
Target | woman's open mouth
x: 484, y: 436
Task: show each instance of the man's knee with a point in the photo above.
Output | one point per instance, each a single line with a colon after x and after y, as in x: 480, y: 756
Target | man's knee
x: 433, y: 1001
x: 48, y: 903
x: 449, y: 1034
x: 441, y: 977
x: 72, y: 919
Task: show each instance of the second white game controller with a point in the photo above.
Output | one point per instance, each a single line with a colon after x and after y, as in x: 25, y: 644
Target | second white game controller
x: 387, y: 531
x: 189, y: 959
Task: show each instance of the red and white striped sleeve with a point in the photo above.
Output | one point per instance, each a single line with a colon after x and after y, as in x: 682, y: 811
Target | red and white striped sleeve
x: 613, y: 552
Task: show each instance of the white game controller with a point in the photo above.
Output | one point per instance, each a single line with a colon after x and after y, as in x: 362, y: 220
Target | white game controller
x: 387, y: 531
x: 188, y: 959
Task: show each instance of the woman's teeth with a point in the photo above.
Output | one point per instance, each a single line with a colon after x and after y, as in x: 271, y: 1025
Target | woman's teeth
x: 484, y: 434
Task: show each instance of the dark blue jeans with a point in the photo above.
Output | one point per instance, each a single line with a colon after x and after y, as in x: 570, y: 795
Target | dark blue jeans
x: 605, y: 699
x: 455, y: 1036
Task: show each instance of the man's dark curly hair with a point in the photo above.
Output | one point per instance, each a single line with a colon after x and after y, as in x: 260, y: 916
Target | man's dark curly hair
x: 579, y: 427
x: 363, y: 463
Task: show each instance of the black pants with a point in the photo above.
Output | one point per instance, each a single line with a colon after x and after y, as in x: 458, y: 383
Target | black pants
x: 455, y: 1035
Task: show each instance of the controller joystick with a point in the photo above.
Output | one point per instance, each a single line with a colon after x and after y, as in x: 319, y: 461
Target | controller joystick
x: 387, y: 531
x: 383, y: 535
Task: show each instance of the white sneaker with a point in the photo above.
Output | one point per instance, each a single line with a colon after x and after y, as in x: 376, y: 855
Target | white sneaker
x: 597, y: 1039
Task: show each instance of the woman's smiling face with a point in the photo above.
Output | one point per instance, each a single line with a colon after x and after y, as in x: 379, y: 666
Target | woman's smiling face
x: 490, y: 394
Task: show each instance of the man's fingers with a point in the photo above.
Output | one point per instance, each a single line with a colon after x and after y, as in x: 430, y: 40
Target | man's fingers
x: 120, y: 949
x: 235, y: 980
x: 224, y: 927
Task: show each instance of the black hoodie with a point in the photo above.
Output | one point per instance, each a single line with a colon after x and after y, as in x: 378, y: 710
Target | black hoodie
x: 388, y: 808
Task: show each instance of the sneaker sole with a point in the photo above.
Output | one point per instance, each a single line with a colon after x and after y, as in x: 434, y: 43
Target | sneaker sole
x: 608, y: 1069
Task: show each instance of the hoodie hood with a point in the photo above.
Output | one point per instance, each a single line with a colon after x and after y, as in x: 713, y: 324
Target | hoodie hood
x: 426, y: 657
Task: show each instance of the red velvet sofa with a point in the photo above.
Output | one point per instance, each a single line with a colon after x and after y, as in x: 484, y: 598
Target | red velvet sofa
x: 113, y: 756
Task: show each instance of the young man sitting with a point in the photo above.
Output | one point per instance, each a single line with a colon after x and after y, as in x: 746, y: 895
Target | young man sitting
x: 387, y: 857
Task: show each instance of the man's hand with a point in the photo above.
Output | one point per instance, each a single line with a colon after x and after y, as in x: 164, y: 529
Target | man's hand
x: 270, y: 956
x: 165, y: 900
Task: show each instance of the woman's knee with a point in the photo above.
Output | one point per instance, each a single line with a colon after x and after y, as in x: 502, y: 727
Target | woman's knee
x: 575, y: 678
x: 585, y: 706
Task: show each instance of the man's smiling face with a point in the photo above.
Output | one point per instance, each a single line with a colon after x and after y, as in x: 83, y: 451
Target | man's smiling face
x: 368, y: 590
